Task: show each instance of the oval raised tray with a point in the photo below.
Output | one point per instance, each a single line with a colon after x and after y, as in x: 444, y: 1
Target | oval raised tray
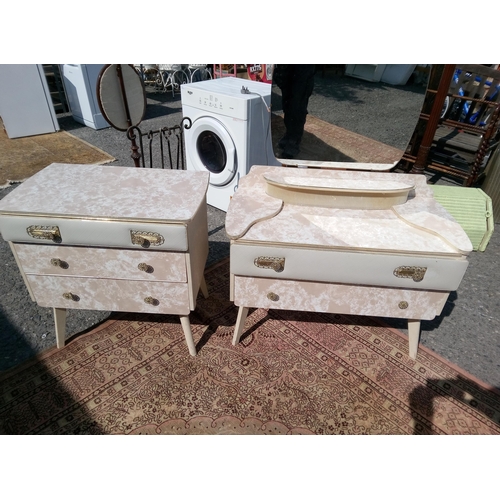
x: 337, y: 193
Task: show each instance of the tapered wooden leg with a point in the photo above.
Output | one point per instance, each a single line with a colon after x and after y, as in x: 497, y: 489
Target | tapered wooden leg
x: 186, y: 328
x: 60, y: 324
x: 413, y: 336
x: 240, y: 323
x: 203, y: 287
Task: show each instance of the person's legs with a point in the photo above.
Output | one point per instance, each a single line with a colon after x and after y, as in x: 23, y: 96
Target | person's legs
x: 300, y: 91
x: 300, y: 84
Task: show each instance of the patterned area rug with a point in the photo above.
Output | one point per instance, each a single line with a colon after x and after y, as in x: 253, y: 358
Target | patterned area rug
x: 292, y: 373
x: 24, y: 156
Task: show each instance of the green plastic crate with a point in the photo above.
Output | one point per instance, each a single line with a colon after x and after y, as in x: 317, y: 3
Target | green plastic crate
x: 471, y: 208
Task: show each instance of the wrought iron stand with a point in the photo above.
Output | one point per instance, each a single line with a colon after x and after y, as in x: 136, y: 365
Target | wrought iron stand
x: 171, y: 140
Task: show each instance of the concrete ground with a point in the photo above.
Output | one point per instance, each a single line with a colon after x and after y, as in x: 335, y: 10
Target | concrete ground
x: 467, y: 333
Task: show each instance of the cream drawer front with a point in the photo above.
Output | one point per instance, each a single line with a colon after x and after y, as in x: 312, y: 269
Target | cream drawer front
x: 110, y: 295
x: 102, y: 262
x: 99, y: 233
x: 342, y: 299
x: 404, y: 271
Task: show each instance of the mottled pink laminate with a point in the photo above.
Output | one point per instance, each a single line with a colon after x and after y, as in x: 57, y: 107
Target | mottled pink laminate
x: 112, y: 192
x: 420, y: 225
x: 103, y: 262
x: 110, y: 294
x: 335, y: 298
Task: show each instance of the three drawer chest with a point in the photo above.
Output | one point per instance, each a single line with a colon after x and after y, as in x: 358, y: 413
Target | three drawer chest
x: 110, y: 238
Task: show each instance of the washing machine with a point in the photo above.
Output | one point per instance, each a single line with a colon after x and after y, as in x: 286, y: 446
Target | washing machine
x: 230, y: 132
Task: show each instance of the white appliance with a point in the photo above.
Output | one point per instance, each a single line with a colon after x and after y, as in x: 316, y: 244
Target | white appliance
x: 230, y: 132
x: 80, y: 81
x: 26, y: 106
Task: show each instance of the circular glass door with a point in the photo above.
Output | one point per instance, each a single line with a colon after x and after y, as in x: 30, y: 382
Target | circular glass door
x: 211, y: 149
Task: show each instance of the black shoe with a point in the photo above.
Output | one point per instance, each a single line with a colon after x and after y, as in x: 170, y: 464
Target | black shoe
x: 291, y: 150
x: 283, y: 142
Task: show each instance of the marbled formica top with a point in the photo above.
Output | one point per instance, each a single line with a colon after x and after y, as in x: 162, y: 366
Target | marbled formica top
x: 420, y: 225
x: 109, y: 192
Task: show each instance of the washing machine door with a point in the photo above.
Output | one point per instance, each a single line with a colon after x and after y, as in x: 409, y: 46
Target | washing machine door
x: 211, y: 148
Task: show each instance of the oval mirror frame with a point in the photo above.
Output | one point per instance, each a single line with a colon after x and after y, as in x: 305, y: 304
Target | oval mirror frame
x: 121, y: 96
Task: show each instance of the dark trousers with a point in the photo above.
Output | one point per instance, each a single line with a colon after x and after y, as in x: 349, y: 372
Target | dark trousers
x: 296, y: 82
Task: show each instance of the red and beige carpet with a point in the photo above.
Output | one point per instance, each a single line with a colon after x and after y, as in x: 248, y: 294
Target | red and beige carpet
x: 292, y: 373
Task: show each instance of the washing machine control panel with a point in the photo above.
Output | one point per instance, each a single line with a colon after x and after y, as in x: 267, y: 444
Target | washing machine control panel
x: 212, y: 101
x: 227, y: 105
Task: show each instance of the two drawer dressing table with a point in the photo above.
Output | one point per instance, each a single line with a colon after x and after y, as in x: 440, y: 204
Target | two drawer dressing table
x: 348, y: 242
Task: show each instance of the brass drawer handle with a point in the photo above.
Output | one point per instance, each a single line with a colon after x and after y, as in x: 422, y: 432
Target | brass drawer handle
x: 413, y: 272
x: 152, y: 301
x: 59, y: 263
x: 45, y: 233
x: 146, y: 238
x: 71, y: 296
x: 145, y: 267
x: 403, y: 304
x: 273, y: 296
x: 275, y: 263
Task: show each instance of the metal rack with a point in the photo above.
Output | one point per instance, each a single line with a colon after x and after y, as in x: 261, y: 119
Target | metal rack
x: 169, y: 152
